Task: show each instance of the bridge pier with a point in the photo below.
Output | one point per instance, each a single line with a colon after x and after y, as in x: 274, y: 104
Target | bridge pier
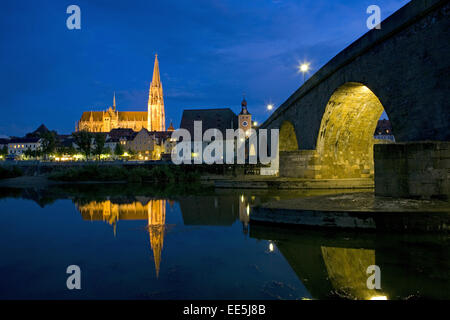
x: 298, y: 164
x: 413, y: 169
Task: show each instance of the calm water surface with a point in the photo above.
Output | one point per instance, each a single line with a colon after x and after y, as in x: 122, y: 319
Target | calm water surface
x: 144, y: 246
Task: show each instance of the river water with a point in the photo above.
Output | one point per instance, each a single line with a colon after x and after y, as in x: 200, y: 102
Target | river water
x: 145, y: 244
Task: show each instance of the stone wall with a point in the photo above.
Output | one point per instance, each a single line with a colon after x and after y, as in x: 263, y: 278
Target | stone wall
x: 298, y: 164
x: 413, y: 169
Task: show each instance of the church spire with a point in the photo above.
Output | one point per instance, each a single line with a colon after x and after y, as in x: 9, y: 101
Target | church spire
x: 156, y: 120
x: 156, y: 81
x: 114, y: 101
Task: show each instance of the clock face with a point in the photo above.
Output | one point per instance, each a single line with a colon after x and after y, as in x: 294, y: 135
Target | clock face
x: 245, y: 123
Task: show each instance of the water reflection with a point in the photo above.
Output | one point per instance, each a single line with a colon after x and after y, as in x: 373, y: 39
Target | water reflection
x: 208, y: 210
x: 195, y: 210
x: 154, y: 211
x: 329, y: 264
x: 333, y: 264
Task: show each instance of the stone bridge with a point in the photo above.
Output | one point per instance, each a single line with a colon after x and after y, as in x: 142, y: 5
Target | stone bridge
x: 327, y: 126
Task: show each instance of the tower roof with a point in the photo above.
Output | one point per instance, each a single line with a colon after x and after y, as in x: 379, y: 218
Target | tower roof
x: 244, y: 107
x: 156, y: 80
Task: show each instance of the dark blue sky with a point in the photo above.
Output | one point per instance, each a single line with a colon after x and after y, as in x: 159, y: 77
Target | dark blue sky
x: 210, y: 52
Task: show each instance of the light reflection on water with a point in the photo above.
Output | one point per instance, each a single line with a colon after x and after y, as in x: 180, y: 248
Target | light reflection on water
x: 201, y: 247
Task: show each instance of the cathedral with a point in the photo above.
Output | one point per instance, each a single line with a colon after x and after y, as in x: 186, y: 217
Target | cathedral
x: 153, y: 119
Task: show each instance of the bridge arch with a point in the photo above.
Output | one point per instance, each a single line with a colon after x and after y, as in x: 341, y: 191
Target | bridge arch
x: 288, y: 137
x: 346, y: 135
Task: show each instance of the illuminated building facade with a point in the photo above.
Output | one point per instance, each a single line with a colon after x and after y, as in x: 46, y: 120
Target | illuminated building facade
x: 153, y: 119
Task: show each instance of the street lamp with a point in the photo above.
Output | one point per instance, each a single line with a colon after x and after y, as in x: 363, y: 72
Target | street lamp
x: 269, y: 106
x: 304, y: 68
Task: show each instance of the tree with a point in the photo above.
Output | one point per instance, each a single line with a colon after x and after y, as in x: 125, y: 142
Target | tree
x: 118, y: 151
x: 60, y: 151
x: 29, y: 153
x: 83, y: 141
x: 71, y: 150
x: 100, y: 140
x: 48, y: 142
x: 131, y: 153
x: 107, y: 151
x: 4, y: 151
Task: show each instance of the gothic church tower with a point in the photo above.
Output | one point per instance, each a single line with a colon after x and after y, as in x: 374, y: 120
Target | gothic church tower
x: 156, y: 118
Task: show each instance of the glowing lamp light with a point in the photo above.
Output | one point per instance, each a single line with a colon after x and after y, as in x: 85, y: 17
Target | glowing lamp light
x: 304, y: 67
x: 242, y: 198
x: 269, y: 106
x: 255, y: 123
x: 378, y: 298
x: 248, y: 209
x: 271, y: 247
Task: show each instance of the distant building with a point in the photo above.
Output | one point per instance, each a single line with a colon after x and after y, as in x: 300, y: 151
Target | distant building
x: 41, y: 130
x: 147, y: 145
x: 118, y: 136
x: 384, y: 131
x: 153, y: 119
x: 220, y: 119
x: 142, y: 142
x: 18, y: 146
x: 244, y: 117
x: 65, y: 140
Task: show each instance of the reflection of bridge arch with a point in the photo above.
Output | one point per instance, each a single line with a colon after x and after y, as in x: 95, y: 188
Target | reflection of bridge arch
x: 345, y: 141
x: 333, y: 264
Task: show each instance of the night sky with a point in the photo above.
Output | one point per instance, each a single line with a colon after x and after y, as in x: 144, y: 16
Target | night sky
x: 210, y: 53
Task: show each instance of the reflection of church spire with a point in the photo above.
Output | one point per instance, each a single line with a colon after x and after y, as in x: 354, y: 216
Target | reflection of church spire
x: 156, y: 226
x: 154, y: 211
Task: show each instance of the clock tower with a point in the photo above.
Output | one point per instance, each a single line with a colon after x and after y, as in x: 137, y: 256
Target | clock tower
x: 244, y: 117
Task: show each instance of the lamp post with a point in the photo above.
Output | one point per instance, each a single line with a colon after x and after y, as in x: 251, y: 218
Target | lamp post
x: 304, y: 68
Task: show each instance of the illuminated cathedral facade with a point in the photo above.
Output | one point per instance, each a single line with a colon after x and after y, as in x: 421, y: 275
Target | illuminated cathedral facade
x: 153, y: 119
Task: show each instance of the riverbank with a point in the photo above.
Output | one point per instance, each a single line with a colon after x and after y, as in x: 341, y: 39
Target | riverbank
x: 361, y: 210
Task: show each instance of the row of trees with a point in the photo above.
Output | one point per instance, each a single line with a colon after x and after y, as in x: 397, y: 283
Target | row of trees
x: 89, y: 144
x: 94, y: 144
